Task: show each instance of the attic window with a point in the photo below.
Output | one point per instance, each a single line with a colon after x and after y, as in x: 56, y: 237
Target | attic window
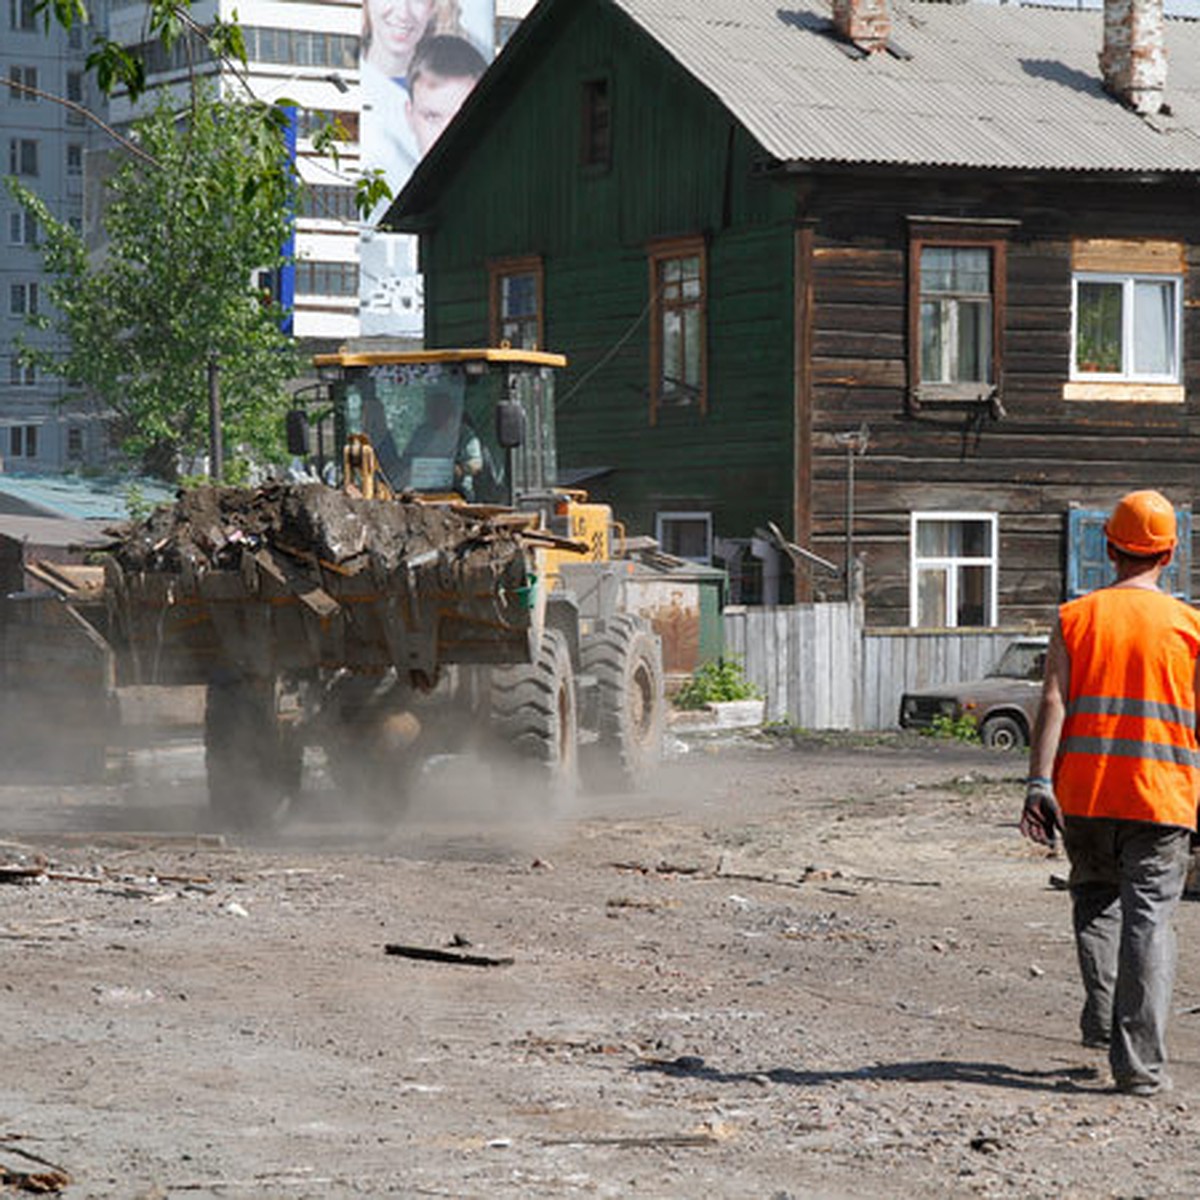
x: 596, y: 123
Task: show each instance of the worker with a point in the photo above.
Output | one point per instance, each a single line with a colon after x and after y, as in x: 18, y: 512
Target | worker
x: 1114, y: 766
x: 444, y: 451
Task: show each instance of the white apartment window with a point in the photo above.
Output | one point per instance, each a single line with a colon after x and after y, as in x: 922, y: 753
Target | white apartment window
x: 74, y: 158
x: 22, y: 156
x: 326, y: 278
x: 22, y: 228
x: 685, y: 534
x: 75, y: 95
x: 22, y: 299
x: 1125, y: 327
x: 26, y: 77
x: 953, y: 569
x: 23, y: 441
x: 74, y: 442
x: 21, y: 374
x: 22, y: 14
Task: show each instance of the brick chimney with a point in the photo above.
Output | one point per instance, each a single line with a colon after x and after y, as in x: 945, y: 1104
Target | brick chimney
x: 866, y: 23
x: 1134, y: 59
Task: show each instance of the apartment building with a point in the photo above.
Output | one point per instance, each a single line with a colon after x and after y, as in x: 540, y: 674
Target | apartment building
x: 305, y: 51
x: 44, y: 146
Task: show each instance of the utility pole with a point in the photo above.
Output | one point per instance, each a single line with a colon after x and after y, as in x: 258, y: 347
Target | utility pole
x: 216, y: 451
x: 856, y: 443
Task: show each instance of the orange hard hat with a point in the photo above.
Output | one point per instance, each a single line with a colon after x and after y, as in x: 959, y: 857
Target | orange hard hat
x: 1143, y: 523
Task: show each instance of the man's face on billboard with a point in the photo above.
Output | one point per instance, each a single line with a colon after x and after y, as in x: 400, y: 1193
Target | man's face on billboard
x: 396, y: 27
x: 435, y: 100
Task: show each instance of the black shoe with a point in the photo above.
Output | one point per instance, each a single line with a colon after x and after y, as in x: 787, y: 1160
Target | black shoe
x: 1095, y: 1042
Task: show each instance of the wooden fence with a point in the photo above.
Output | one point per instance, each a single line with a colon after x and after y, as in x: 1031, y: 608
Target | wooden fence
x: 820, y: 669
x: 805, y: 659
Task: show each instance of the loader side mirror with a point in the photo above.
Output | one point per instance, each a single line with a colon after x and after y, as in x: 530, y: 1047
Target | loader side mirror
x: 510, y: 424
x: 297, y: 432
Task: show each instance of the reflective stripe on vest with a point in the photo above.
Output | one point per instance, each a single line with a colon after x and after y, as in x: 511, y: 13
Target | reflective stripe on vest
x: 1128, y: 747
x: 1122, y: 706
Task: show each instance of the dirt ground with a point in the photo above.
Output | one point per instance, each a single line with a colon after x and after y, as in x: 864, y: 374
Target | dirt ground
x: 826, y: 968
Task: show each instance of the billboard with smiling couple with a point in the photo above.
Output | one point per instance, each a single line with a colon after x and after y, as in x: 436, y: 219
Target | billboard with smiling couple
x: 419, y: 60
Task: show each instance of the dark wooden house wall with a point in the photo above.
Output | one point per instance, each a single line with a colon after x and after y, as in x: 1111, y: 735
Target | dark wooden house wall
x: 1044, y: 453
x: 680, y: 167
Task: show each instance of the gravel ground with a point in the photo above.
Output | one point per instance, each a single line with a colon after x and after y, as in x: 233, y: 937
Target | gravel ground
x: 794, y: 967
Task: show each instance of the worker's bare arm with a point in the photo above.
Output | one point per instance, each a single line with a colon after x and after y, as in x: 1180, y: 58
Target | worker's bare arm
x: 1052, y: 711
x: 1041, y: 818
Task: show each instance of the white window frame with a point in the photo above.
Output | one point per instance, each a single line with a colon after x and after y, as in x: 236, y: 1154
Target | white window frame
x: 21, y: 223
x: 1127, y: 280
x: 663, y: 518
x: 23, y: 299
x: 21, y: 374
x: 918, y: 563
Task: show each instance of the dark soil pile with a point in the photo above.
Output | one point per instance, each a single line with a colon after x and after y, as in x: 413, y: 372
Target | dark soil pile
x: 212, y: 527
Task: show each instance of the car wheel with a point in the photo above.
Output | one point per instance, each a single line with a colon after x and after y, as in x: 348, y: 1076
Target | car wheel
x: 1003, y: 733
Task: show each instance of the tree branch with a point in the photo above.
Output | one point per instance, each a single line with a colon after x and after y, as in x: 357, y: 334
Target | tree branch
x: 87, y: 113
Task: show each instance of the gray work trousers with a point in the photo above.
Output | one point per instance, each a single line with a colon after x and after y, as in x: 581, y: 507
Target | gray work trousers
x: 1126, y: 881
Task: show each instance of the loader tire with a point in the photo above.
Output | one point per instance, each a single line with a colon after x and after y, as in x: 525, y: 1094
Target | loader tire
x: 625, y: 659
x: 253, y: 764
x: 534, y: 717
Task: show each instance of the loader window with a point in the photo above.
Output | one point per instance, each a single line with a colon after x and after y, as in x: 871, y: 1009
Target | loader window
x: 536, y: 462
x: 427, y: 426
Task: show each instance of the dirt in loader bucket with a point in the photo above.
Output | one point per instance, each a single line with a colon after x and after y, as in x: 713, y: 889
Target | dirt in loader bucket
x: 300, y: 576
x: 213, y: 527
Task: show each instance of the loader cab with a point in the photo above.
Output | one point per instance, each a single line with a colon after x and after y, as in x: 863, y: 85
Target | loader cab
x: 476, y: 424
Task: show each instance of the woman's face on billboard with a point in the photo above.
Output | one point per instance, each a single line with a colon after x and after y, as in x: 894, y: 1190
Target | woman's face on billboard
x: 396, y: 27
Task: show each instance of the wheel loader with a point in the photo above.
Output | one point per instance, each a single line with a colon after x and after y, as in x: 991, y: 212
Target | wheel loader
x: 422, y: 587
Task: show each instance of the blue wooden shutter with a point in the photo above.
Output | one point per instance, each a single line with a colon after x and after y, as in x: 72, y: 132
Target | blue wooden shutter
x: 1087, y: 556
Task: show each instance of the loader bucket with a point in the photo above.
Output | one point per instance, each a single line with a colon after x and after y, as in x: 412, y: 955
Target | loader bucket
x: 304, y: 578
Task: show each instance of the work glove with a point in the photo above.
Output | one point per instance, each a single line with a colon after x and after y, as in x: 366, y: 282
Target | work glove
x: 1041, y: 819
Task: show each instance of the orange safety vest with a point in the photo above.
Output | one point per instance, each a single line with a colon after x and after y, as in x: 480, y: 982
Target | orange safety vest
x: 1128, y: 747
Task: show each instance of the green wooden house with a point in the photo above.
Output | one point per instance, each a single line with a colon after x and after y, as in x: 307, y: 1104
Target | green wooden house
x: 915, y: 282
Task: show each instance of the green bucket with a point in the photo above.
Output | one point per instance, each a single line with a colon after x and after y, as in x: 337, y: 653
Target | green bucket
x: 527, y: 595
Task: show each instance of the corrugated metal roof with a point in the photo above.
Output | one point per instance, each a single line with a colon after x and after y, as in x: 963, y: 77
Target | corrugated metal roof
x: 53, y: 531
x: 989, y: 87
x: 71, y: 496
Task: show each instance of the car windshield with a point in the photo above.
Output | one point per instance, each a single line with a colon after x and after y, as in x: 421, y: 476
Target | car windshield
x: 1022, y: 660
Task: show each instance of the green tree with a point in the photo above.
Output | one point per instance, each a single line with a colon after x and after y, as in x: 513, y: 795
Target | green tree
x: 200, y: 202
x: 189, y: 220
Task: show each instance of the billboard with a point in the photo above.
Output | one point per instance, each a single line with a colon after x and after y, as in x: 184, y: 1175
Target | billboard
x: 419, y: 60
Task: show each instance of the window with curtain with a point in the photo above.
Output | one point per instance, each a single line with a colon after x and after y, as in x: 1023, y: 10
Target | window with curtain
x: 954, y: 568
x: 1125, y: 327
x: 956, y: 314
